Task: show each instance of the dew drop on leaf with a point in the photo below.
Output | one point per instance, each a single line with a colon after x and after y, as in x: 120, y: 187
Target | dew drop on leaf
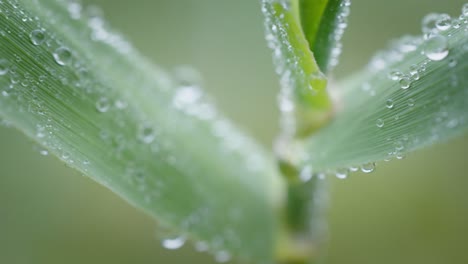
x: 342, y: 174
x: 201, y: 246
x: 389, y: 103
x: 368, y: 167
x: 380, y: 123
x: 37, y: 37
x: 102, y: 105
x: 40, y: 131
x: 456, y: 23
x: 120, y: 104
x: 395, y: 75
x: 452, y: 123
x: 65, y: 155
x: 465, y: 10
x: 452, y: 62
x: 74, y: 9
x: 400, y: 155
x: 436, y: 48
x: 173, y: 243
x: 306, y: 174
x: 222, y: 256
x: 62, y: 56
x: 405, y: 82
x: 146, y: 134
x: 414, y: 72
x: 429, y: 22
x: 4, y: 66
x: 444, y: 22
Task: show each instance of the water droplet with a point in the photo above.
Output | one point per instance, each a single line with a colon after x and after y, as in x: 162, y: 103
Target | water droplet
x: 173, y: 242
x: 37, y: 37
x: 405, y: 82
x: 366, y: 87
x: 306, y: 174
x: 103, y: 105
x: 4, y: 66
x: 400, y: 155
x: 353, y: 169
x: 452, y: 123
x: 411, y: 102
x: 444, y: 22
x: 187, y: 96
x: 342, y: 174
x: 456, y: 23
x: 452, y: 62
x: 188, y: 76
x: 25, y: 83
x: 74, y: 9
x: 146, y: 134
x: 286, y: 105
x: 40, y: 131
x: 201, y: 246
x: 44, y: 152
x: 380, y: 123
x: 120, y: 104
x: 414, y: 72
x: 407, y: 44
x: 389, y: 156
x: 222, y: 256
x: 395, y: 75
x: 368, y: 167
x: 436, y: 48
x: 321, y: 176
x: 389, y: 103
x: 465, y: 10
x: 429, y: 23
x: 62, y: 56
x: 65, y: 155
x: 399, y: 145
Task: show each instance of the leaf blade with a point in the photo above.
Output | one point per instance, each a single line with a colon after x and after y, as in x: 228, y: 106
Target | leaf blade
x: 384, y: 117
x: 156, y: 142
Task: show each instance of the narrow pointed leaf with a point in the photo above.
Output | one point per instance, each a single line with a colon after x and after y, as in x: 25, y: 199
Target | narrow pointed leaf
x: 323, y: 23
x: 82, y: 92
x: 304, y: 102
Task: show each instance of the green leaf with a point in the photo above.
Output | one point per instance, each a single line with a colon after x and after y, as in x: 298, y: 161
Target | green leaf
x: 323, y: 23
x: 304, y: 102
x: 81, y: 91
x: 413, y: 95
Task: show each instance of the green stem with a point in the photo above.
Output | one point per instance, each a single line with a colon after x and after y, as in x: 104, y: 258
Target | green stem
x: 303, y: 220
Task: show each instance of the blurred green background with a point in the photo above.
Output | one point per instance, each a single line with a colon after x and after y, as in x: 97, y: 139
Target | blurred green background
x: 411, y: 211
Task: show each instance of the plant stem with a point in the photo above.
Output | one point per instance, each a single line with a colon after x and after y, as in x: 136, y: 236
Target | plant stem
x: 303, y: 220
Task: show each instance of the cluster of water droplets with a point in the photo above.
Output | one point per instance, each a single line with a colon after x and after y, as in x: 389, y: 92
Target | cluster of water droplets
x: 434, y: 45
x: 439, y: 47
x: 341, y: 25
x: 172, y: 240
x: 289, y: 61
x: 434, y: 42
x: 307, y: 172
x: 285, y: 61
x: 190, y: 98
